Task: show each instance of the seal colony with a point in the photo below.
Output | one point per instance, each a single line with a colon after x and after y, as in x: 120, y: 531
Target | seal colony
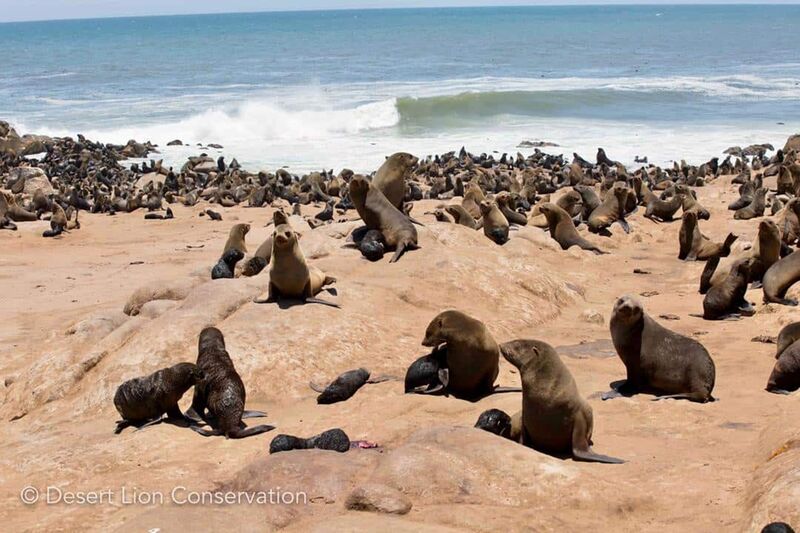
x: 575, y: 203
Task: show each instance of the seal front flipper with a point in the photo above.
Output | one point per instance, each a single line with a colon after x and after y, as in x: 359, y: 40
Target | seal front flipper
x: 625, y: 226
x: 153, y: 422
x: 316, y: 388
x: 253, y: 414
x: 122, y: 424
x: 272, y: 296
x: 619, y: 389
x: 323, y: 302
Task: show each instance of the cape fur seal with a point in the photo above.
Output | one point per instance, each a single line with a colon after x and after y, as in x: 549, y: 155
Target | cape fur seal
x: 755, y: 208
x: 462, y: 216
x: 694, y: 246
x: 236, y: 238
x: 227, y: 264
x: 390, y: 178
x: 221, y: 392
x: 143, y: 401
x: 779, y: 277
x: 428, y: 374
x: 379, y: 214
x: 787, y: 336
x: 555, y: 419
x: 289, y: 274
x: 495, y: 224
x: 658, y: 360
x: 333, y: 440
x: 563, y: 230
x: 611, y: 210
x: 727, y: 300
x: 472, y: 356
x: 501, y: 424
x: 345, y: 386
x: 785, y: 376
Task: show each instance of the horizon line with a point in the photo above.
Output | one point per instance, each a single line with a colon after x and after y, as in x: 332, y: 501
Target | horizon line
x: 400, y: 8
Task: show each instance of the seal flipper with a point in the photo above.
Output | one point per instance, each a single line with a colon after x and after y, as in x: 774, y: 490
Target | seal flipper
x: 625, y: 226
x: 581, y: 448
x: 501, y: 390
x: 708, y: 273
x: 401, y: 249
x: 619, y: 390
x: 205, y: 432
x: 122, y: 424
x: 153, y: 422
x: 316, y: 388
x: 272, y: 295
x: 310, y: 299
x: 253, y: 414
x: 249, y: 432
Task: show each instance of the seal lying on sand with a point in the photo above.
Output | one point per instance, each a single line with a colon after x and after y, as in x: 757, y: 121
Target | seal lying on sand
x: 555, y: 419
x: 345, y: 386
x: 563, y: 230
x: 658, y: 360
x: 221, y: 392
x: 143, y: 401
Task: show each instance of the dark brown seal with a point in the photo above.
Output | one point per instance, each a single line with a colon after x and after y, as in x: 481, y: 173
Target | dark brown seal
x: 555, y: 419
x: 143, y: 401
x: 780, y: 276
x: 785, y: 376
x: 727, y: 300
x: 221, y: 392
x: 658, y: 360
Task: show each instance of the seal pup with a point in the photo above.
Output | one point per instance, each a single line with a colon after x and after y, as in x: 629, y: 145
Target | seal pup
x: 555, y: 419
x: 260, y: 260
x: 562, y: 229
x: 289, y: 274
x: 143, y: 401
x: 226, y: 265
x: 390, y: 178
x: 236, y: 238
x: 779, y: 277
x: 345, y: 386
x: 428, y: 374
x: 727, y: 300
x: 495, y: 224
x: 333, y: 440
x: 501, y: 424
x: 221, y: 392
x: 462, y: 216
x: 785, y: 376
x: 379, y: 214
x: 658, y: 360
x: 777, y: 527
x: 472, y: 355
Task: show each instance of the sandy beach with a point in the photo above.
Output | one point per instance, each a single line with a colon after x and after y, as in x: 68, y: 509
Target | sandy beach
x: 66, y: 344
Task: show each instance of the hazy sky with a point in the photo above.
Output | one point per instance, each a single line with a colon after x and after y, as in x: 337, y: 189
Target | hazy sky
x: 16, y: 10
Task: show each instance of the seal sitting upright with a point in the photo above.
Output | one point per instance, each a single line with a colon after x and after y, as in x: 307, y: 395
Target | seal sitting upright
x: 658, y: 360
x: 221, y: 392
x: 555, y: 419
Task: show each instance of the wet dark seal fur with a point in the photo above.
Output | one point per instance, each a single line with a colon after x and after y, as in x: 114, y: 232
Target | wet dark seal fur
x: 143, y: 401
x: 345, y: 386
x: 219, y: 399
x: 226, y: 264
x: 334, y: 440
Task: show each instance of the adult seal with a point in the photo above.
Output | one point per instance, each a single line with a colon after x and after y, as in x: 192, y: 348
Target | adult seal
x: 727, y: 300
x: 563, y: 230
x: 779, y: 277
x: 555, y: 419
x: 390, y: 178
x: 495, y: 224
x: 143, y: 401
x: 219, y: 398
x: 657, y: 360
x: 236, y: 238
x: 289, y: 274
x: 378, y: 213
x: 473, y: 357
x: 611, y: 210
x: 785, y: 376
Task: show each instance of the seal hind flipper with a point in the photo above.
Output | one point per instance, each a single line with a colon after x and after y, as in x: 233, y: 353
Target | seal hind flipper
x: 401, y: 249
x: 322, y: 302
x: 122, y: 424
x: 206, y: 432
x: 249, y: 432
x: 153, y: 422
x: 316, y: 388
x: 596, y: 457
x: 501, y: 390
x: 581, y: 442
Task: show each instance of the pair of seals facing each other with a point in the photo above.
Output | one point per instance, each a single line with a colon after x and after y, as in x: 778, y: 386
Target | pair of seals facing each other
x: 290, y: 276
x: 785, y: 376
x: 465, y: 361
x: 658, y: 360
x: 562, y: 229
x: 378, y: 213
x: 143, y: 401
x: 219, y: 398
x: 555, y: 419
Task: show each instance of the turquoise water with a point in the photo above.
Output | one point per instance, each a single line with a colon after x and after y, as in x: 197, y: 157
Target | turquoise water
x: 343, y: 88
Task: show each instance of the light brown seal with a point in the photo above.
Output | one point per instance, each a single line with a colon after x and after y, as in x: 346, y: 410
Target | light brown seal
x: 495, y: 224
x: 611, y: 210
x: 236, y: 238
x: 780, y: 276
x: 289, y: 274
x: 555, y: 419
x: 694, y: 246
x: 563, y: 230
x: 390, y: 178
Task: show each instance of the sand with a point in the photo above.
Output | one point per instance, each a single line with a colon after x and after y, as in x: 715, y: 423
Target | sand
x: 65, y: 345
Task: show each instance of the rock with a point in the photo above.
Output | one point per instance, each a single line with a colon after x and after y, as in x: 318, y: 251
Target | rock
x: 176, y: 142
x: 793, y: 143
x: 592, y: 317
x: 378, y: 498
x: 150, y: 177
x: 35, y: 179
x: 215, y: 146
x: 536, y: 144
x: 669, y: 316
x: 205, y: 167
x: 135, y: 149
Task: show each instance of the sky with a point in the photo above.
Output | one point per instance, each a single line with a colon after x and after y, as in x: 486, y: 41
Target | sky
x: 20, y: 10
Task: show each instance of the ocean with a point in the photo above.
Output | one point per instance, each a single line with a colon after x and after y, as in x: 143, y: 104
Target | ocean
x: 335, y: 89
